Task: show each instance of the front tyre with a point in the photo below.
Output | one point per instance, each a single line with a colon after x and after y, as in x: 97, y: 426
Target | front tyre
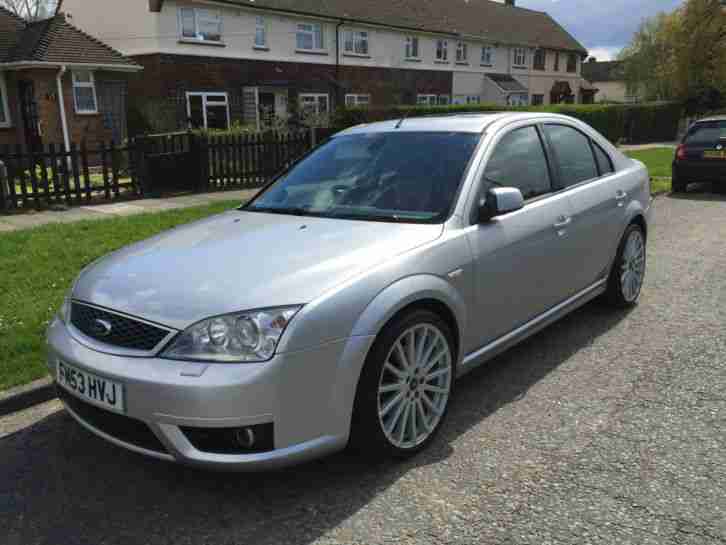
x: 405, y: 387
x: 628, y: 272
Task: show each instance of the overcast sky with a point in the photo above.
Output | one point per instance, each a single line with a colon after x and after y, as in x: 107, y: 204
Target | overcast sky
x: 602, y: 26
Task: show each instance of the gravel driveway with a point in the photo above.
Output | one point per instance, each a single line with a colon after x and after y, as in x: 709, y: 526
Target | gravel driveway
x: 608, y: 427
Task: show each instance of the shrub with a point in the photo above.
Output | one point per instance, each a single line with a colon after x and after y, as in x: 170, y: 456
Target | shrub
x: 633, y: 123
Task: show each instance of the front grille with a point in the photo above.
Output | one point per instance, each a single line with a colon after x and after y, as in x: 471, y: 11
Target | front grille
x: 129, y: 430
x: 124, y: 332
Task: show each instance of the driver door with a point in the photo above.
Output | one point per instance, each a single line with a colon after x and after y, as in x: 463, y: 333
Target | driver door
x: 518, y: 256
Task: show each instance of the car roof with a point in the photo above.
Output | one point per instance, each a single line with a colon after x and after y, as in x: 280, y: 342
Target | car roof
x: 467, y: 123
x: 713, y: 118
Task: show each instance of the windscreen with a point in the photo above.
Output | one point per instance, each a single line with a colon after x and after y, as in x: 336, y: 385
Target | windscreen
x: 706, y: 133
x: 393, y: 176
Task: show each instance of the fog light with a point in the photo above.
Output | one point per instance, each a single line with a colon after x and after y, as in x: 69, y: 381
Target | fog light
x: 245, y: 437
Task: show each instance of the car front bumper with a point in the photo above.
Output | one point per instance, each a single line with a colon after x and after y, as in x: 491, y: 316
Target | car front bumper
x: 306, y: 396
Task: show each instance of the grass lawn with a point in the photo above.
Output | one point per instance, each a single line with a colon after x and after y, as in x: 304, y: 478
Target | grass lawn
x: 658, y: 161
x: 37, y: 267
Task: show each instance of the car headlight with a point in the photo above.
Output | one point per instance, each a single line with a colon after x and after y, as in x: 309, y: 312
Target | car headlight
x: 64, y: 312
x: 242, y: 337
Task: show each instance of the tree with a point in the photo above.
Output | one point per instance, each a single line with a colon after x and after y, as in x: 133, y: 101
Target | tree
x: 31, y: 9
x: 680, y: 56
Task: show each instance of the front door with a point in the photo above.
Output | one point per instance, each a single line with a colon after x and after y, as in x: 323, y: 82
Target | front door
x: 267, y: 109
x: 29, y: 114
x: 519, y: 256
x: 112, y: 102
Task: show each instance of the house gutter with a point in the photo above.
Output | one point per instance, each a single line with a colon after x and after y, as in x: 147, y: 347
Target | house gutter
x: 62, y: 107
x: 19, y: 65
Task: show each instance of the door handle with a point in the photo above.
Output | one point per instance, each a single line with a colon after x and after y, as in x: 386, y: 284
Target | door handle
x: 563, y: 221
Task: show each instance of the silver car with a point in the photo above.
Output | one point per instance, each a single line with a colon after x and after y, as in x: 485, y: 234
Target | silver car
x: 339, y: 306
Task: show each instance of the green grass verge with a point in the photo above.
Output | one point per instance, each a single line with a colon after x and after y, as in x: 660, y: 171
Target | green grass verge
x: 658, y: 161
x: 38, y: 265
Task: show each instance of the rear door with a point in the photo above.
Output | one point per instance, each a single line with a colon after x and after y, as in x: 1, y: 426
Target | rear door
x: 519, y: 256
x: 599, y: 199
x: 705, y: 152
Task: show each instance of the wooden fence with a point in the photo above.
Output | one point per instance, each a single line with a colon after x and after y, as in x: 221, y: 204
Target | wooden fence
x: 146, y: 166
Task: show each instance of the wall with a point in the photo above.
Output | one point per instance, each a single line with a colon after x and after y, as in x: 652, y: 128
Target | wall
x: 610, y: 91
x: 160, y: 90
x: 11, y: 135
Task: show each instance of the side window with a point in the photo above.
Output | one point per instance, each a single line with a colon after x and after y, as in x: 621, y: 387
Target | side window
x: 604, y: 162
x: 519, y: 161
x: 574, y: 155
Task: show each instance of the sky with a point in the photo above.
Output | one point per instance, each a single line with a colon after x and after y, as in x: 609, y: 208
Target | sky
x: 604, y: 27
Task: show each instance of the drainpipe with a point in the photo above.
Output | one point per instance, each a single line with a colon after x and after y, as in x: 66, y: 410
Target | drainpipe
x: 62, y: 104
x: 338, y: 92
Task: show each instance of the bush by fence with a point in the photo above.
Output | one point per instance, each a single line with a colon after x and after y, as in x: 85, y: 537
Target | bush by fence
x: 631, y: 123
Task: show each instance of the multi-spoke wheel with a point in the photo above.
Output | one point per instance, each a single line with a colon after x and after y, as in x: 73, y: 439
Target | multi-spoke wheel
x: 404, y: 391
x: 628, y: 274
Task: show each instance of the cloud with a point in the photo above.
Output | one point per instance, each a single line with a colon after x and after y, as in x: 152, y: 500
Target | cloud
x: 599, y: 25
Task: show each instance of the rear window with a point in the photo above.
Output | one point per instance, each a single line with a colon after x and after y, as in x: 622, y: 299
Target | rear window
x: 706, y: 133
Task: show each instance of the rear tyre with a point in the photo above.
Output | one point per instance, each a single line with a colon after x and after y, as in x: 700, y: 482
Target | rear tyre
x: 678, y: 185
x: 628, y: 272
x: 404, y: 391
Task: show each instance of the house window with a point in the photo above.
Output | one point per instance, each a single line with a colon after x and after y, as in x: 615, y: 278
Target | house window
x: 557, y: 61
x: 520, y: 57
x: 353, y: 101
x: 208, y: 110
x: 464, y: 99
x: 433, y: 100
x: 4, y: 111
x: 540, y: 58
x: 442, y: 51
x: 462, y: 53
x: 84, y: 92
x: 260, y: 32
x: 314, y: 103
x: 487, y: 55
x: 572, y: 62
x: 355, y: 42
x: 517, y: 100
x: 310, y: 37
x: 412, y: 47
x: 537, y: 100
x: 204, y: 25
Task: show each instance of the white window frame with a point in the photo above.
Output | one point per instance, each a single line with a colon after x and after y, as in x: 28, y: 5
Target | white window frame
x: 487, y: 55
x: 427, y: 100
x: 316, y: 29
x: 84, y: 85
x: 200, y: 13
x: 442, y: 51
x: 205, y: 96
x: 317, y: 97
x: 462, y: 53
x: 354, y: 100
x: 409, y: 48
x: 520, y: 57
x: 355, y: 37
x: 260, y: 27
x: 4, y: 102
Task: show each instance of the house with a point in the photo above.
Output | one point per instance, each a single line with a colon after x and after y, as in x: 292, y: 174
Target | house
x: 213, y: 63
x: 609, y: 78
x: 59, y: 85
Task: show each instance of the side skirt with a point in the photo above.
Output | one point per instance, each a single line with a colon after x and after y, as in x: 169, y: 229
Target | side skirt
x: 484, y: 354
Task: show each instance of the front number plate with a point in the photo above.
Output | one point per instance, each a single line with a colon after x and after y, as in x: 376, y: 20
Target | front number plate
x: 97, y: 390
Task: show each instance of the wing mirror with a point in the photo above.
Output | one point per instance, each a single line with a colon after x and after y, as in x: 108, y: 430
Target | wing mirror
x: 499, y: 201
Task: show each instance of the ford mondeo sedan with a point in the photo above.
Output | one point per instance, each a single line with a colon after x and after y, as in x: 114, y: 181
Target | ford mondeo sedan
x: 339, y: 306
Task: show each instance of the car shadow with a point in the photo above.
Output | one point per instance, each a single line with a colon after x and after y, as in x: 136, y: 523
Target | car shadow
x: 61, y: 484
x: 707, y: 191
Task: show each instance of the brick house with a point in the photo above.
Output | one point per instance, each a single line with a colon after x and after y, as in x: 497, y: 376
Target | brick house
x: 59, y: 85
x: 212, y: 63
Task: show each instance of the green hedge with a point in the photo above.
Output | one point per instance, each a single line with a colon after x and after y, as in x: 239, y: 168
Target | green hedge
x: 636, y: 123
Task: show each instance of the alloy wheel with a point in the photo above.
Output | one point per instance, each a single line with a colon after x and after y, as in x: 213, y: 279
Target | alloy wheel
x: 632, y: 269
x: 415, y: 386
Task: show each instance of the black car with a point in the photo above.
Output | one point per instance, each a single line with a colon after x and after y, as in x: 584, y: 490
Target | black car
x: 701, y: 156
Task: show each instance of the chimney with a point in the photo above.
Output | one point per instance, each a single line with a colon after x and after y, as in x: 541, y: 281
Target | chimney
x: 510, y: 2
